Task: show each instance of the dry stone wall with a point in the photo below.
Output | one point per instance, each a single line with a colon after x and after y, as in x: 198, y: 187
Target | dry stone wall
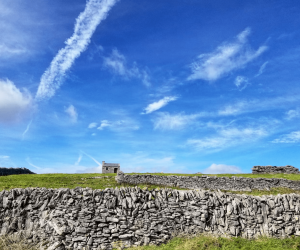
x: 275, y: 170
x: 83, y: 218
x: 209, y: 182
x: 11, y: 171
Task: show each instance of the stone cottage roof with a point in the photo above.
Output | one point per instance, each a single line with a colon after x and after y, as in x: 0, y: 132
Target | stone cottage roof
x: 104, y: 164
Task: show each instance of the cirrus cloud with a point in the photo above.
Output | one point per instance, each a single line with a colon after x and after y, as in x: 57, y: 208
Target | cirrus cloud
x: 159, y: 104
x: 225, y: 58
x: 293, y: 137
x: 228, y: 137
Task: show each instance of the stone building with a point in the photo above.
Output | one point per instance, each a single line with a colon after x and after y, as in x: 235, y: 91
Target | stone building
x: 110, y: 167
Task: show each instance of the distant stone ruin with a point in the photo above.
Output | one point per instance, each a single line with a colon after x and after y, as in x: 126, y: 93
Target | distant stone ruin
x: 275, y: 170
x: 11, y: 171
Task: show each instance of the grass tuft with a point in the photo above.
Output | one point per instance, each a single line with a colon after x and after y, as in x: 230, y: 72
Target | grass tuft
x: 208, y: 242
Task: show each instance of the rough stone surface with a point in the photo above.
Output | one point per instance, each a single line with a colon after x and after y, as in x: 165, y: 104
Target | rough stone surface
x: 83, y: 218
x: 209, y: 182
x: 275, y: 170
x: 11, y: 171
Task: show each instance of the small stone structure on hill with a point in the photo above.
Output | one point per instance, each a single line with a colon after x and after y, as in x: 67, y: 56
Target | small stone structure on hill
x: 275, y: 170
x: 11, y: 171
x: 110, y: 167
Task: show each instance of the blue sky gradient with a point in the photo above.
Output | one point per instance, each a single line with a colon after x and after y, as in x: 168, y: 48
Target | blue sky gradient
x: 157, y: 86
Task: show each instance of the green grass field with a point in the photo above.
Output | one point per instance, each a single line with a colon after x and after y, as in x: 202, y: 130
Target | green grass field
x: 108, y: 181
x: 177, y: 243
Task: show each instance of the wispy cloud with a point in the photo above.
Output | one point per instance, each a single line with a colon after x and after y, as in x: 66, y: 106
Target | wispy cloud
x: 71, y: 111
x: 116, y: 62
x: 86, y: 23
x: 241, y: 82
x: 221, y: 169
x: 125, y: 124
x: 103, y: 124
x: 255, y: 105
x: 93, y: 125
x: 293, y: 137
x: 27, y: 129
x: 11, y: 51
x: 159, y: 104
x: 225, y: 58
x: 292, y: 114
x: 14, y: 104
x: 262, y: 69
x: 234, y: 109
x: 166, y: 121
x: 228, y: 137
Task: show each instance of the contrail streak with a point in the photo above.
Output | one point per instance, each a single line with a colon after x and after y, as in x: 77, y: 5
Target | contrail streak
x: 27, y: 128
x: 99, y: 164
x: 85, y: 25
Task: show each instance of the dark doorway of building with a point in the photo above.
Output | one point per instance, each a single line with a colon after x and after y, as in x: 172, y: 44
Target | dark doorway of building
x: 115, y: 170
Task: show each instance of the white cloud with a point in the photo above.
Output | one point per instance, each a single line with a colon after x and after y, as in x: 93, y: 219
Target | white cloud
x: 86, y: 23
x: 159, y: 104
x: 293, y: 137
x: 293, y: 113
x: 241, y: 82
x: 225, y: 58
x: 221, y: 169
x: 11, y: 51
x: 262, y: 69
x: 126, y: 124
x: 14, y: 104
x: 255, y: 105
x: 228, y: 137
x: 103, y: 124
x: 235, y: 109
x: 116, y: 62
x: 4, y: 157
x: 71, y: 111
x: 166, y: 121
x: 92, y: 125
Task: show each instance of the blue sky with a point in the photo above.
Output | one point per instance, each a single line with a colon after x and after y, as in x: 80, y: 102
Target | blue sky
x: 157, y: 86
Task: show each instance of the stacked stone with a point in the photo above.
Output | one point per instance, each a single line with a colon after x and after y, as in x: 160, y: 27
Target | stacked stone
x: 209, y: 182
x: 275, y: 170
x: 102, y: 219
x: 11, y: 171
